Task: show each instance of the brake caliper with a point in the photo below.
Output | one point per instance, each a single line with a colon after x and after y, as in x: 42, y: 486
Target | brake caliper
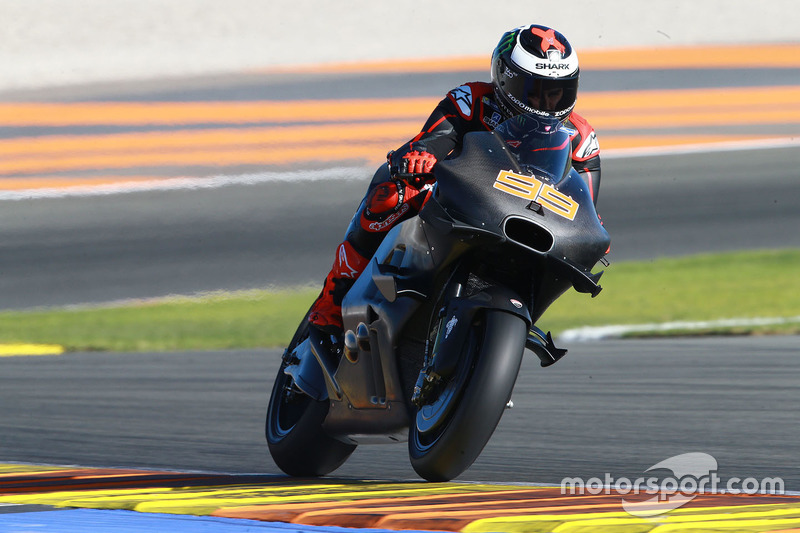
x: 427, y: 382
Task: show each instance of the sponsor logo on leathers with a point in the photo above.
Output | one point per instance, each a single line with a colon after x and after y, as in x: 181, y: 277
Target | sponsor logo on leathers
x: 588, y: 147
x: 344, y: 264
x: 494, y: 120
x: 391, y: 219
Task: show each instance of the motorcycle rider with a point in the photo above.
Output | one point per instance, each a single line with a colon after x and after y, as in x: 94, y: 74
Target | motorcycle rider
x: 534, y: 70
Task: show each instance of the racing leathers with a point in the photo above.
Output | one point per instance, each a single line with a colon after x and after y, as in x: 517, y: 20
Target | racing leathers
x: 399, y: 188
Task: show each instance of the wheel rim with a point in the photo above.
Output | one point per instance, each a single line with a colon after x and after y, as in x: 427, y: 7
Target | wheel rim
x: 287, y: 408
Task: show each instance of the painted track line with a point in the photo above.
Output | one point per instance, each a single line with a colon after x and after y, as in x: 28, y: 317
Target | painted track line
x: 268, y: 134
x: 702, y: 148
x: 779, y: 103
x: 184, y: 184
x: 591, y: 333
x: 14, y: 350
x: 102, y: 499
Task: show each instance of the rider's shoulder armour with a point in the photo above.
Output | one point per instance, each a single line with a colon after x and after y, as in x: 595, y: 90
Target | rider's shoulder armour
x: 475, y: 103
x: 584, y: 141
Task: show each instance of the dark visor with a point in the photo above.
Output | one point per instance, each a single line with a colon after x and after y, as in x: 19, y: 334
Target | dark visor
x: 541, y: 94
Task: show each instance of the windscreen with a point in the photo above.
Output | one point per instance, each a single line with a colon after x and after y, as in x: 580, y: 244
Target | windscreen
x: 541, y: 144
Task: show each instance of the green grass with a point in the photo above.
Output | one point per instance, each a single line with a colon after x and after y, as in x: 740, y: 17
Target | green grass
x: 235, y: 320
x: 695, y: 288
x: 707, y: 287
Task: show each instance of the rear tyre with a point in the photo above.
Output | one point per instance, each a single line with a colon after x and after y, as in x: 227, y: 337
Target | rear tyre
x: 297, y: 442
x: 449, y: 433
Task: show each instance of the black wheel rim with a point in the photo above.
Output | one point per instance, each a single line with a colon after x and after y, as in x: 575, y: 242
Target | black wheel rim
x: 287, y: 403
x: 286, y: 409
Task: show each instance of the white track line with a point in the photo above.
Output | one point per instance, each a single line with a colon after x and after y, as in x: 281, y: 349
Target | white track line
x: 177, y: 184
x: 589, y: 333
x: 701, y: 148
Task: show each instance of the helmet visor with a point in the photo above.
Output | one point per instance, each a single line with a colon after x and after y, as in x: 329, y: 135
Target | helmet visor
x: 552, y: 96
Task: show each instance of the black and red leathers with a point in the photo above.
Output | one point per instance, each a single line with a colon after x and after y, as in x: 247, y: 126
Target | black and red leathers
x: 389, y: 199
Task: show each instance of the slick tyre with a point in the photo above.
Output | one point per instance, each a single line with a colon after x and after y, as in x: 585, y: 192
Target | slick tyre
x: 478, y: 394
x: 297, y: 442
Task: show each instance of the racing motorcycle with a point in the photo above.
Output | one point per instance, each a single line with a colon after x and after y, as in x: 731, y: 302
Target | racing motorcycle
x: 436, y: 326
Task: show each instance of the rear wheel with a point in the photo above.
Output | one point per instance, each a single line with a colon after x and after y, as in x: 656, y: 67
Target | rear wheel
x: 297, y: 442
x: 450, y: 431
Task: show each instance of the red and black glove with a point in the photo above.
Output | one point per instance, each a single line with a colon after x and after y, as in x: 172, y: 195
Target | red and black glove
x: 414, y: 167
x: 419, y: 162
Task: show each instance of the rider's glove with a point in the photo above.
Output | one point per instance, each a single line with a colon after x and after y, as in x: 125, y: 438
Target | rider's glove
x: 413, y: 167
x: 419, y: 162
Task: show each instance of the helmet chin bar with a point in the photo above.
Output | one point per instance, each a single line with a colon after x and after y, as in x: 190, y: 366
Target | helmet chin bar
x: 510, y: 110
x: 501, y: 102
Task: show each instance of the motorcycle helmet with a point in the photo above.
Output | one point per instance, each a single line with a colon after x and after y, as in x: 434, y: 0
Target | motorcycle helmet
x: 535, y: 70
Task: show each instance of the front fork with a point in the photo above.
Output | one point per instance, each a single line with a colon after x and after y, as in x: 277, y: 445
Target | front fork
x: 435, y: 369
x: 455, y: 319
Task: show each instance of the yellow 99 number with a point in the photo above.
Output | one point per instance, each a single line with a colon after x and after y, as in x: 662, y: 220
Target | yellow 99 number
x: 530, y: 188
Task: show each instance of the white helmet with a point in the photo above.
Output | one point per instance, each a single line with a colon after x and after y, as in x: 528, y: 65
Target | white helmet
x: 535, y: 70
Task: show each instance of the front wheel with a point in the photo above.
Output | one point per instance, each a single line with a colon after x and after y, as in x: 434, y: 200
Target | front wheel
x: 297, y: 442
x: 450, y: 431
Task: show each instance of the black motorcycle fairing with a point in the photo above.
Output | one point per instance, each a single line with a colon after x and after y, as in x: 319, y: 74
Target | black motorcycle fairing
x: 467, y: 188
x: 461, y: 182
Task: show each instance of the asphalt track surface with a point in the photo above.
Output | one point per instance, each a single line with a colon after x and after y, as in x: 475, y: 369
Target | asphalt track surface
x: 616, y: 407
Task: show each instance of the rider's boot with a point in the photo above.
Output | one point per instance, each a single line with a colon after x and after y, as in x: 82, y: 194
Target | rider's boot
x: 326, y: 312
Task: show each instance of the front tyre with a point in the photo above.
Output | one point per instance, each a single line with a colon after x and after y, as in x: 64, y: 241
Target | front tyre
x: 297, y: 442
x: 470, y: 404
